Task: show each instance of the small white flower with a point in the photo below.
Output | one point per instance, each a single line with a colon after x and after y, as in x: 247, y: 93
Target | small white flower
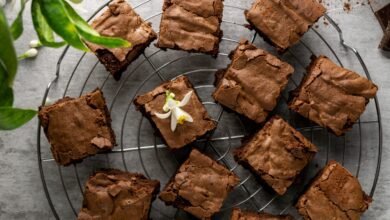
x: 29, y: 54
x: 172, y: 108
x: 35, y: 44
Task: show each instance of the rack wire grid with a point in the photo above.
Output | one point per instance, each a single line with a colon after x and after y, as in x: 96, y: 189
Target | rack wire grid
x: 140, y: 150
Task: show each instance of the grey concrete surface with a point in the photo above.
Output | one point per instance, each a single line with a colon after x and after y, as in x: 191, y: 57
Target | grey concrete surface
x: 21, y: 192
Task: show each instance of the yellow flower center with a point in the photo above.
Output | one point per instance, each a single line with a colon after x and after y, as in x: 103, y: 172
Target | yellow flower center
x: 181, y: 119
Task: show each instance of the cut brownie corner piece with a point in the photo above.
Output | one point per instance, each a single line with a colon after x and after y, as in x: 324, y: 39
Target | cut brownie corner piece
x: 277, y: 154
x: 283, y: 23
x: 332, y: 96
x: 253, y: 82
x: 152, y: 103
x: 191, y: 26
x: 115, y: 194
x: 238, y: 214
x: 85, y: 132
x: 199, y: 186
x: 120, y: 20
x: 334, y: 194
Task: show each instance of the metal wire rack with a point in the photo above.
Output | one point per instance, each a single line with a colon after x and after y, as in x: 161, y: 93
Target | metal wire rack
x: 140, y: 150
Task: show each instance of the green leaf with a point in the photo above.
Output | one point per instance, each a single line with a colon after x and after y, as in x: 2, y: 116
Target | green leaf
x: 89, y: 34
x: 6, y: 93
x: 56, y: 16
x: 8, y: 57
x: 11, y: 118
x: 17, y: 25
x: 44, y: 32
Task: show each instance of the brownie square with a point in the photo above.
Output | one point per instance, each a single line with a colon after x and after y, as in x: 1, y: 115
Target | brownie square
x: 253, y: 82
x: 120, y: 20
x: 383, y: 16
x: 277, y: 154
x: 114, y: 194
x: 152, y: 102
x: 283, y: 22
x: 77, y: 127
x: 334, y: 194
x: 199, y: 186
x: 192, y: 26
x: 239, y: 214
x: 332, y: 96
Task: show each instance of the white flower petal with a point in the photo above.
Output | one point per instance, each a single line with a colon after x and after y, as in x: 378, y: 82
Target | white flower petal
x: 173, y: 121
x: 163, y: 116
x: 188, y: 117
x: 186, y: 99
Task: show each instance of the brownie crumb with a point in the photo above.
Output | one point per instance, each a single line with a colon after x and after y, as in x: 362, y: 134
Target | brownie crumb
x: 347, y: 7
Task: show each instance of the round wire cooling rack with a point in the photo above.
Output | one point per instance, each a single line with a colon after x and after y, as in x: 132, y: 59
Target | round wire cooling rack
x: 140, y: 150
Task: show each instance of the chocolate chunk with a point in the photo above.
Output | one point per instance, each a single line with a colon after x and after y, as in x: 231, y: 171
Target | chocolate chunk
x: 77, y: 127
x: 334, y: 194
x: 120, y: 20
x: 253, y: 82
x: 332, y: 96
x: 277, y: 154
x: 114, y: 194
x: 283, y: 23
x: 199, y: 186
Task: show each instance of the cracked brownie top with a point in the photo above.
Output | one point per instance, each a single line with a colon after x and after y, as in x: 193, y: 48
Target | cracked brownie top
x: 332, y: 96
x: 283, y: 22
x: 277, y: 153
x: 253, y: 82
x: 114, y: 194
x: 77, y: 127
x: 200, y: 186
x: 334, y: 194
x: 191, y: 25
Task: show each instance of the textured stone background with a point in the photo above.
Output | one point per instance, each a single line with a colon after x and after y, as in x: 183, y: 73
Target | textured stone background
x: 21, y: 194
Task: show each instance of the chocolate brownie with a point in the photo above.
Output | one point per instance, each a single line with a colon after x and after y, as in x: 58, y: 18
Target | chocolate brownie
x: 332, y: 96
x: 284, y: 22
x: 199, y: 186
x: 192, y: 26
x: 334, y: 194
x: 385, y: 42
x: 383, y: 16
x: 77, y: 127
x: 114, y: 194
x: 277, y: 154
x: 152, y: 102
x: 253, y: 82
x: 239, y: 214
x: 120, y: 20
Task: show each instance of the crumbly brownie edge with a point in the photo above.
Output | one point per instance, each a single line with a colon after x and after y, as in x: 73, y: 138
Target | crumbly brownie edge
x: 107, y: 116
x: 116, y: 67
